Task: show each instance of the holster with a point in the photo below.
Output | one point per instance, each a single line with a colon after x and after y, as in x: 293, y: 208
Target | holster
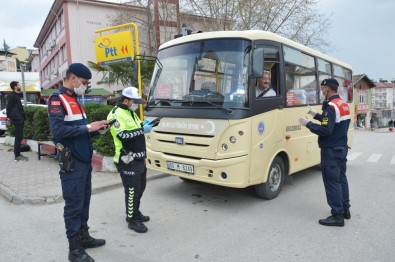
x: 66, y: 160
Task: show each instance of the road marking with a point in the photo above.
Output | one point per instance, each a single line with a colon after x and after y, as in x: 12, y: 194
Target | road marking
x: 374, y: 158
x: 353, y: 155
x: 393, y: 160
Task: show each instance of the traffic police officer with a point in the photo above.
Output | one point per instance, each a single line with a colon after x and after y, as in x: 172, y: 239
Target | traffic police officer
x: 71, y: 129
x: 332, y: 139
x: 130, y: 153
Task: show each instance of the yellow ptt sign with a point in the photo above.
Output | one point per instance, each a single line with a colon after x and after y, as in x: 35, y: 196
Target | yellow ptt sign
x: 114, y: 48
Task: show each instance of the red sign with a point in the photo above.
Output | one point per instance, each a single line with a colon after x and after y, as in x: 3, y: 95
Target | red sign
x: 162, y: 91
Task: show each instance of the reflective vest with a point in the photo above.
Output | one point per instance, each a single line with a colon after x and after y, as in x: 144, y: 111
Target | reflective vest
x: 342, y: 109
x: 74, y: 112
x: 73, y: 115
x: 127, y: 133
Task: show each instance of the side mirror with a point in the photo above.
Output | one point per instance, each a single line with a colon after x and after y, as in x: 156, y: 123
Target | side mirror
x: 257, y: 62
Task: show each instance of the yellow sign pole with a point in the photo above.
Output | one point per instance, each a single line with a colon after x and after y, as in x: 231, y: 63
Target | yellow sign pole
x: 137, y: 52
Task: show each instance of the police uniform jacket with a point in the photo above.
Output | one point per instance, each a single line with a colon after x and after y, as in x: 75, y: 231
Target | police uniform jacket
x: 128, y: 133
x: 14, y: 107
x: 335, y: 120
x: 68, y: 124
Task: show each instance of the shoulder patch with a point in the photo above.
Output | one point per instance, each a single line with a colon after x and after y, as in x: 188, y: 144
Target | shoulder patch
x: 325, y: 121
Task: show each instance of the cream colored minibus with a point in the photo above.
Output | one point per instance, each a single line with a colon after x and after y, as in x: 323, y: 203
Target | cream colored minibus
x: 216, y: 128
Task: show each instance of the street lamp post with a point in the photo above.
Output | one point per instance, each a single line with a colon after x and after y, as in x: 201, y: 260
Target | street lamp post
x: 23, y: 85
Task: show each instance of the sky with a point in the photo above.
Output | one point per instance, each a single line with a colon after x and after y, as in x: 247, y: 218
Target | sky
x: 362, y: 32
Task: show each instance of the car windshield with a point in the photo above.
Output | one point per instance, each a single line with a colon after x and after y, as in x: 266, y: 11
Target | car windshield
x: 210, y: 73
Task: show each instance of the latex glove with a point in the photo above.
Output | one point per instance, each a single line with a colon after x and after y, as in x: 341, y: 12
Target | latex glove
x: 303, y: 121
x: 147, y: 128
x: 312, y: 111
x: 146, y: 122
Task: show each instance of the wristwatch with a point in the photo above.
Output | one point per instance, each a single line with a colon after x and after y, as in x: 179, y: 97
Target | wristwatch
x: 89, y: 126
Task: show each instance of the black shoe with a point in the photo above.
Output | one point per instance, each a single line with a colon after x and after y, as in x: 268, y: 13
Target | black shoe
x: 79, y: 255
x: 141, y: 217
x: 21, y: 158
x: 137, y: 226
x: 347, y: 214
x: 89, y: 242
x: 336, y: 221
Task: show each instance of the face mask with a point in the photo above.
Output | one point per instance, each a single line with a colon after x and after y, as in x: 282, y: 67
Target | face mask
x: 134, y: 107
x: 81, y: 89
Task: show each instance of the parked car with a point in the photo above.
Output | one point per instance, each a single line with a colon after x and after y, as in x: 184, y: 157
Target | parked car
x: 3, y: 118
x: 3, y: 121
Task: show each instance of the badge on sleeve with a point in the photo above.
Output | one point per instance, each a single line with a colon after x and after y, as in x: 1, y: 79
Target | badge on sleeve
x: 325, y: 121
x: 54, y: 107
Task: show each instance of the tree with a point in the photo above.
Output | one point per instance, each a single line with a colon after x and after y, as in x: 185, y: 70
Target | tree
x: 123, y: 73
x: 6, y: 47
x: 298, y: 20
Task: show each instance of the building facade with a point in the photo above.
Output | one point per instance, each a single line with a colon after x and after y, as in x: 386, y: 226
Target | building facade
x: 68, y: 34
x: 7, y: 62
x: 383, y: 102
x: 363, y: 100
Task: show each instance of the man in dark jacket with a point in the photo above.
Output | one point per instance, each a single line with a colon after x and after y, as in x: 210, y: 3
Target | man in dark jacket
x: 16, y: 117
x: 332, y: 139
x: 71, y: 129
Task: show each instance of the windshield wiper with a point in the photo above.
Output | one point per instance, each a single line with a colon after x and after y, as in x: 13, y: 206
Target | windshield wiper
x: 157, y: 101
x: 226, y: 110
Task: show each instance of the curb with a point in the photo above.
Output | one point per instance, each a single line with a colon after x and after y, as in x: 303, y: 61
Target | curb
x: 15, y: 198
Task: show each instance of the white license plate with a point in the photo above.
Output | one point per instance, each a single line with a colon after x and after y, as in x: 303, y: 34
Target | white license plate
x: 180, y: 167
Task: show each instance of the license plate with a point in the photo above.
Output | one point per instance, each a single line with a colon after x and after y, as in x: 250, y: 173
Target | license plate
x: 180, y: 167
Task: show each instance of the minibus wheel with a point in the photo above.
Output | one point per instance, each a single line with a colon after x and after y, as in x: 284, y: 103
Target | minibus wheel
x: 275, y: 180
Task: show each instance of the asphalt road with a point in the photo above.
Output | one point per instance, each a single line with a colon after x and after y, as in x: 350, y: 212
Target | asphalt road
x: 200, y: 222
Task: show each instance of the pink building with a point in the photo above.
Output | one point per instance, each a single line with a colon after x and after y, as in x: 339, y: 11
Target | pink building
x: 68, y: 34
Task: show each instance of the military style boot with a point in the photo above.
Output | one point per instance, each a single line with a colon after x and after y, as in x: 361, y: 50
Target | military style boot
x: 77, y: 252
x: 89, y: 242
x: 347, y: 214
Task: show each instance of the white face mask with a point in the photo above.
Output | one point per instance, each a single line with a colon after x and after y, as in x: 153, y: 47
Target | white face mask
x: 81, y: 89
x: 134, y: 107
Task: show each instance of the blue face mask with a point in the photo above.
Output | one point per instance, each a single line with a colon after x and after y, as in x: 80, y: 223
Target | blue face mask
x: 134, y: 107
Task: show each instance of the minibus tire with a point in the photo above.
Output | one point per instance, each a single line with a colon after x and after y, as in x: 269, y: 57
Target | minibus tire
x: 275, y: 180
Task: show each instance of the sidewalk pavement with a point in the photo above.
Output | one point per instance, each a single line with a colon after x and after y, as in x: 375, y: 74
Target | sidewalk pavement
x: 37, y: 181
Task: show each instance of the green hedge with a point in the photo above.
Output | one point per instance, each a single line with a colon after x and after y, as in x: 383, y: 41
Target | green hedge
x: 104, y: 143
x: 37, y: 126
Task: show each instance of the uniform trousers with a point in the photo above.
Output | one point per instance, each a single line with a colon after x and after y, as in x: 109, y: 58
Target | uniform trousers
x: 76, y: 189
x: 333, y: 165
x: 134, y: 180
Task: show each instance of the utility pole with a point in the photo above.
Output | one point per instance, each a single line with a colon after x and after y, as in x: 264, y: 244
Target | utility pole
x: 23, y: 85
